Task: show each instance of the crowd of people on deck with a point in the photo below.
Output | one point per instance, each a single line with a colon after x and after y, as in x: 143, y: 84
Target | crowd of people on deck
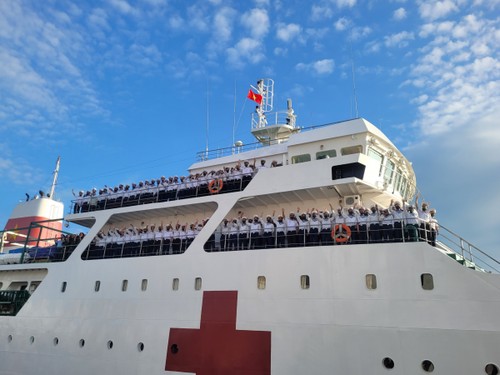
x: 225, y: 180
x: 144, y: 240
x: 353, y: 225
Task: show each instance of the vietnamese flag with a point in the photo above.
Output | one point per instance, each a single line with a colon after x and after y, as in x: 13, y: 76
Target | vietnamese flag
x: 255, y: 97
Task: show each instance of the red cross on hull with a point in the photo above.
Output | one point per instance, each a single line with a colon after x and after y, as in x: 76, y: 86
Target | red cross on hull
x: 217, y: 348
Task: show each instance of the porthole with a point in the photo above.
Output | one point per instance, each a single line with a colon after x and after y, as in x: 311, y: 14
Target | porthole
x: 32, y: 339
x: 491, y: 369
x: 144, y: 285
x: 9, y: 338
x: 305, y: 282
x: 124, y: 285
x: 371, y: 281
x: 110, y: 344
x: 427, y: 366
x: 388, y: 363
x: 427, y: 281
x: 63, y: 286
x: 174, y: 349
x: 81, y: 343
x: 140, y: 346
x: 197, y: 283
x: 55, y: 341
x: 175, y: 284
x: 97, y: 286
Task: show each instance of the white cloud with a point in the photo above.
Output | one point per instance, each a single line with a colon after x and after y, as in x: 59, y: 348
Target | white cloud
x: 246, y: 50
x: 433, y: 9
x: 320, y: 67
x: 344, y: 3
x: 399, y: 14
x: 223, y: 24
x: 175, y: 22
x: 257, y: 22
x: 398, y: 40
x: 124, y: 7
x: 360, y: 32
x: 320, y: 12
x: 342, y: 23
x: 288, y: 32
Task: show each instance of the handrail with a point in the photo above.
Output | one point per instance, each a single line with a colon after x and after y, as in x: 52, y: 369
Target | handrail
x: 469, y: 252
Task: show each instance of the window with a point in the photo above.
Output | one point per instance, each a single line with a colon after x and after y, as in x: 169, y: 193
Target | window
x: 32, y: 339
x: 124, y: 285
x: 348, y: 170
x: 140, y: 346
x: 389, y: 169
x: 144, y: 285
x: 301, y: 158
x: 56, y: 341
x: 378, y: 157
x: 110, y: 344
x: 97, y: 286
x: 261, y: 282
x: 175, y: 284
x: 326, y: 154
x: 81, y: 343
x: 305, y: 282
x: 1, y: 285
x: 427, y: 281
x: 63, y: 286
x: 197, y: 283
x: 371, y: 281
x: 351, y: 150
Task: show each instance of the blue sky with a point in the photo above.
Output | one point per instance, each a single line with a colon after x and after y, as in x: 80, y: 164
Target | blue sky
x: 119, y: 89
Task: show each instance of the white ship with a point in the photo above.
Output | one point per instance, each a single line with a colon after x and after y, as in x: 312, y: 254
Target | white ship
x: 339, y: 297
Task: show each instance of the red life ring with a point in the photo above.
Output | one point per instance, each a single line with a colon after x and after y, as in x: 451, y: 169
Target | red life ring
x: 215, y: 186
x: 341, y: 233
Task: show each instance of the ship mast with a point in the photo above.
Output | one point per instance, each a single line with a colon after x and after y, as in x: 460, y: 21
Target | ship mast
x: 271, y: 127
x: 56, y: 174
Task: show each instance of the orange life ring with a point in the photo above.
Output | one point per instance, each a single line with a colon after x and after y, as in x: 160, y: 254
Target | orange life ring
x: 215, y: 186
x: 341, y: 233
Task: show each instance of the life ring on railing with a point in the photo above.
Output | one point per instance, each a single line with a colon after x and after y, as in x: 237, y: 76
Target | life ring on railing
x: 341, y: 233
x: 215, y: 186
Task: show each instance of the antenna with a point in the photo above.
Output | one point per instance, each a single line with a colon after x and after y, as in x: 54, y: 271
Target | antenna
x: 354, y: 82
x: 208, y: 118
x: 56, y: 174
x: 234, y: 112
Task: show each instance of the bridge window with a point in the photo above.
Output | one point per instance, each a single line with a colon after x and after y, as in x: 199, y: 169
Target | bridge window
x: 305, y: 282
x: 301, y: 158
x: 348, y: 170
x: 389, y: 169
x: 427, y: 281
x: 261, y: 282
x: 371, y: 281
x: 351, y: 150
x: 326, y: 154
x: 375, y: 155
